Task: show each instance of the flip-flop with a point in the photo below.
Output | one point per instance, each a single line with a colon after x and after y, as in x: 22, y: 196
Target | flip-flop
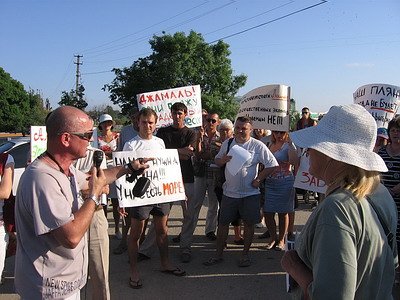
x: 177, y: 272
x: 135, y: 284
x: 213, y: 261
x: 280, y: 247
x: 244, y: 262
x: 270, y: 245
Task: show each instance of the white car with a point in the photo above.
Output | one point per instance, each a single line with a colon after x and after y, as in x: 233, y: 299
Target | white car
x: 19, y: 148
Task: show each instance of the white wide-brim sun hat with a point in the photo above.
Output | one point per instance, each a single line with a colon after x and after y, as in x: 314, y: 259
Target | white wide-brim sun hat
x: 346, y: 133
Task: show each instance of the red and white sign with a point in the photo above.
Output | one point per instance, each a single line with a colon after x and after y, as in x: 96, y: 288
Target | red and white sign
x: 304, y: 180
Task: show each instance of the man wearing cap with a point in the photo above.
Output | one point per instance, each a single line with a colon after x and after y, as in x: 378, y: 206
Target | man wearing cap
x: 241, y: 194
x: 381, y: 139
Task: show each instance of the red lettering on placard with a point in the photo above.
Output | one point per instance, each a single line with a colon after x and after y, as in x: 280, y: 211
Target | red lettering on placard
x: 172, y: 188
x: 311, y: 180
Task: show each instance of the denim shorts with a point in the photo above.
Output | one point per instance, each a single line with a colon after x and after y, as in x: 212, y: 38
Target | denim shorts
x: 246, y: 208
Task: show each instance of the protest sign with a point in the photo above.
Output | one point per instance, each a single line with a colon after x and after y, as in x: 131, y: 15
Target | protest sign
x: 38, y: 141
x: 161, y: 102
x: 304, y: 180
x: 381, y: 100
x: 268, y: 107
x: 164, y: 173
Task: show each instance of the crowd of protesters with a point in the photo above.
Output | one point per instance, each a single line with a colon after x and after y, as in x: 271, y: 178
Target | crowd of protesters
x: 349, y: 242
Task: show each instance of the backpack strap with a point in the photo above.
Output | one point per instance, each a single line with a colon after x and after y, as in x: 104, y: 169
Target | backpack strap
x: 388, y: 233
x: 229, y: 144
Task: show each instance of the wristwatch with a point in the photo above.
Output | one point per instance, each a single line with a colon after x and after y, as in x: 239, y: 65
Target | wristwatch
x: 129, y: 168
x: 95, y: 200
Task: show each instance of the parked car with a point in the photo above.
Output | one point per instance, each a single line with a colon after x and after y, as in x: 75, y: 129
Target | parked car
x: 19, y: 148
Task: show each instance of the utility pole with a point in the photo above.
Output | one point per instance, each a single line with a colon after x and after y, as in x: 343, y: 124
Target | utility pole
x: 77, y: 73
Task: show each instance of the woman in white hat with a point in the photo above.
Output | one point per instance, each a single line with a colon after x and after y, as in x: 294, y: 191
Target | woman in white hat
x: 108, y: 140
x: 343, y: 252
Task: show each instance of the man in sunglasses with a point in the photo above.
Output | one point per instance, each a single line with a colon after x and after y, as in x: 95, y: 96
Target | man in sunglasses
x: 305, y: 120
x: 207, y: 147
x: 51, y: 216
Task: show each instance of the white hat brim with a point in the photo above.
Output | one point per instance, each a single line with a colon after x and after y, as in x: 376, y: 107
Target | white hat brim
x: 314, y: 138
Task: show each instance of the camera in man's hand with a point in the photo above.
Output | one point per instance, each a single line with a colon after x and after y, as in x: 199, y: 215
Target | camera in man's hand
x: 142, y: 183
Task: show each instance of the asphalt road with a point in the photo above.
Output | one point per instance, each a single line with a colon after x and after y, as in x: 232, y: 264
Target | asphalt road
x: 264, y: 279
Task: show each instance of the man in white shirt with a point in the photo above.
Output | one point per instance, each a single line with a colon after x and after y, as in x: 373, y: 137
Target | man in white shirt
x: 241, y: 194
x: 146, y: 141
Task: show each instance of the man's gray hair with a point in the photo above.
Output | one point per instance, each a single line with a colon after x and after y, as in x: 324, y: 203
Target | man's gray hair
x: 226, y: 123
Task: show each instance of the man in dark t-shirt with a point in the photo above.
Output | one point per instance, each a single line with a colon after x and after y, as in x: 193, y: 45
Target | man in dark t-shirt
x: 182, y: 139
x: 178, y: 136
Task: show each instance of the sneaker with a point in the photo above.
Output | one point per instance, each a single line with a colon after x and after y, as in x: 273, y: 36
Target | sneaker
x: 211, y: 236
x: 118, y: 235
x: 122, y: 247
x: 186, y: 257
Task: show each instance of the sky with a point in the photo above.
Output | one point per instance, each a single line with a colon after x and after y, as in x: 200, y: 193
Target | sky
x: 323, y: 50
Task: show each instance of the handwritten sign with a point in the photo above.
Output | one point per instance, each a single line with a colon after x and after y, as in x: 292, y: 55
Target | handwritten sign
x: 268, y: 107
x: 381, y: 100
x: 164, y: 173
x: 161, y: 102
x: 304, y: 180
x: 38, y: 141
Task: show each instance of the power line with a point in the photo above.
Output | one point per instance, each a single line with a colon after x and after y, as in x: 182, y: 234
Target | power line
x: 116, y: 59
x: 144, y: 38
x: 63, y: 78
x: 141, y: 30
x: 269, y: 22
x: 250, y: 18
x: 90, y: 73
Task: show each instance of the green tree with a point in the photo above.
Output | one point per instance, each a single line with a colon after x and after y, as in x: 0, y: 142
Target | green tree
x: 72, y: 98
x: 180, y: 60
x: 96, y: 111
x: 18, y: 109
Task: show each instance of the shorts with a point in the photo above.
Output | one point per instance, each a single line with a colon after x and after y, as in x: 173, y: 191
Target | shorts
x: 247, y: 209
x: 143, y: 212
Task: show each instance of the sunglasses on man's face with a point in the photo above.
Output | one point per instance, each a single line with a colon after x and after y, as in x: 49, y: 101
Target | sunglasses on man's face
x: 85, y: 135
x: 212, y: 121
x: 304, y: 112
